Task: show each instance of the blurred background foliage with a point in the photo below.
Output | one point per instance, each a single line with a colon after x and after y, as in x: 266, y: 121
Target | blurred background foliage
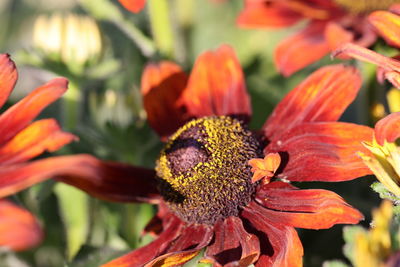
x: 102, y: 49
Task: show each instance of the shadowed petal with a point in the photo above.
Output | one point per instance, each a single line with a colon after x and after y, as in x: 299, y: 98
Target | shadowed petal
x: 230, y: 236
x: 40, y: 136
x: 323, y: 96
x: 312, y: 209
x: 388, y: 26
x: 262, y: 14
x: 388, y: 128
x: 290, y: 55
x: 323, y: 151
x: 134, y: 6
x: 216, y: 86
x: 139, y: 257
x: 22, y: 113
x: 8, y: 77
x: 19, y: 229
x: 283, y: 249
x: 106, y: 180
x: 162, y: 86
x: 192, y: 239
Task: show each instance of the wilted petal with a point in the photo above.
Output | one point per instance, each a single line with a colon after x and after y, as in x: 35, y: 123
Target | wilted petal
x: 364, y: 54
x: 216, y: 86
x: 388, y: 128
x: 162, y: 86
x: 230, y: 236
x: 133, y: 5
x: 8, y: 77
x: 106, y: 180
x: 22, y: 113
x: 312, y: 208
x: 192, y: 239
x: 281, y: 246
x: 19, y: 229
x: 323, y: 96
x: 262, y: 14
x: 40, y: 136
x: 323, y: 151
x: 141, y: 256
x: 388, y: 26
x: 290, y: 55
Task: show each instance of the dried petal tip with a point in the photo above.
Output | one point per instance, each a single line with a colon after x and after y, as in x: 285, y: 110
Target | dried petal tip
x: 264, y: 168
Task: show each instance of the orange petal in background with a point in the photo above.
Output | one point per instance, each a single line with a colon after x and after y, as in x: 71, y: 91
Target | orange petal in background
x: 38, y: 137
x: 259, y: 14
x: 388, y: 128
x: 162, y: 86
x: 8, y: 77
x: 134, y: 6
x: 291, y: 56
x: 388, y: 26
x: 19, y: 229
x: 22, y: 113
x: 216, y: 86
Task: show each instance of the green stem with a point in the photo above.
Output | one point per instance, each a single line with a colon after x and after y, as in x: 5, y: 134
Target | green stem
x: 106, y: 10
x: 161, y: 26
x: 71, y: 105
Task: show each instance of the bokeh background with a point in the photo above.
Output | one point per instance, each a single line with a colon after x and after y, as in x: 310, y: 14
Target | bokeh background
x: 102, y: 49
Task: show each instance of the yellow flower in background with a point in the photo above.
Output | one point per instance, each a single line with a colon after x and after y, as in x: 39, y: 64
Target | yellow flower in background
x: 393, y: 99
x: 373, y: 247
x: 72, y: 39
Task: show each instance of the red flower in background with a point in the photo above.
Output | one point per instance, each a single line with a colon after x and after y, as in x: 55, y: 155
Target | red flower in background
x: 330, y: 23
x: 203, y: 181
x: 387, y: 25
x: 21, y: 140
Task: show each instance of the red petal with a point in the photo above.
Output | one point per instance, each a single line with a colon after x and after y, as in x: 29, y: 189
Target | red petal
x: 162, y: 86
x: 22, y: 113
x: 388, y: 128
x: 323, y: 96
x: 388, y: 26
x: 133, y: 5
x: 290, y: 55
x: 139, y: 257
x: 284, y: 248
x: 216, y: 85
x: 312, y: 209
x: 40, y: 136
x: 324, y: 151
x: 229, y: 235
x: 106, y: 180
x: 19, y: 230
x: 262, y: 14
x: 8, y: 77
x: 192, y: 239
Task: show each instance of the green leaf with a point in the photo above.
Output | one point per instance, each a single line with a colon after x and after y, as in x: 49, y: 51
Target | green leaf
x: 74, y: 212
x: 384, y: 193
x: 349, y: 233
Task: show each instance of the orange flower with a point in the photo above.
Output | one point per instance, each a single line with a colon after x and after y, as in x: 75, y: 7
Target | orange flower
x: 330, y: 23
x: 387, y: 25
x: 21, y: 140
x: 202, y: 183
